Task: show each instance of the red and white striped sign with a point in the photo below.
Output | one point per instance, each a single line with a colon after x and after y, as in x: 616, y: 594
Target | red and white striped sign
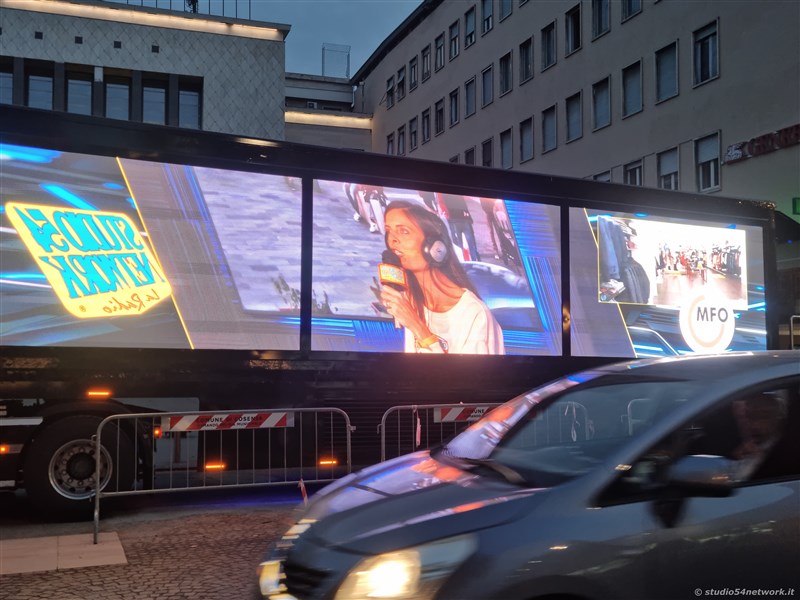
x: 458, y: 413
x: 227, y: 421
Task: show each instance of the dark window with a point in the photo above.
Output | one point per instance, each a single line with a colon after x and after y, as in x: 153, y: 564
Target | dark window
x: 412, y: 73
x: 426, y: 125
x: 630, y: 8
x: 439, y: 49
x: 506, y: 74
x: 426, y: 62
x: 118, y: 99
x: 488, y: 19
x: 154, y: 103
x: 549, y: 130
x: 632, y: 89
x: 454, y: 107
x: 572, y: 29
x: 526, y: 140
x: 600, y: 20
x: 549, y: 46
x: 469, y: 27
x: 438, y: 118
x: 412, y: 133
x: 454, y: 40
x: 469, y: 97
x: 706, y: 57
x: 39, y: 91
x: 469, y: 156
x: 505, y: 8
x: 487, y: 150
x: 401, y: 83
x: 487, y: 86
x: 6, y: 87
x: 79, y: 93
x: 526, y: 60
x: 190, y: 106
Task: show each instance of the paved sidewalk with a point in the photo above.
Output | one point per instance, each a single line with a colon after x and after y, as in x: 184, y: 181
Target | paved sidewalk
x: 54, y: 553
x: 211, y: 555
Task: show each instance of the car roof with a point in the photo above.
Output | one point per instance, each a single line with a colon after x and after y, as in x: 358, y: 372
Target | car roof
x: 707, y: 367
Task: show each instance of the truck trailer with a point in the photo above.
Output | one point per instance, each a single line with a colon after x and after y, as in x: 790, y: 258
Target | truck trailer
x: 149, y: 268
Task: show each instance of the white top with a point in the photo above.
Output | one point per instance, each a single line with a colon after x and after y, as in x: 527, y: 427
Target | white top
x: 468, y: 328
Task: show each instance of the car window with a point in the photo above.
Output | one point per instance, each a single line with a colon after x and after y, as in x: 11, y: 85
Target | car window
x: 755, y: 430
x: 563, y: 439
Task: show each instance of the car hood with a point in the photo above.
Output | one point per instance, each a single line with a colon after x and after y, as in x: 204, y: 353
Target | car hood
x: 415, y: 496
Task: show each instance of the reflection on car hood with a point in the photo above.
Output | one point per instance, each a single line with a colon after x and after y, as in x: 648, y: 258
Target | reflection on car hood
x: 408, y: 491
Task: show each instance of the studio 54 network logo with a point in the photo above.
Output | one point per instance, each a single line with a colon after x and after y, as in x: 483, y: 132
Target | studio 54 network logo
x: 96, y: 262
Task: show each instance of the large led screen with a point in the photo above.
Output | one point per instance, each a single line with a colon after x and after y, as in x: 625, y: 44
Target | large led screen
x: 106, y: 252
x: 400, y: 270
x: 644, y: 285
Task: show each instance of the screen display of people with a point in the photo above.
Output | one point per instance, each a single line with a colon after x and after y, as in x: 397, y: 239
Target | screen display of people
x: 106, y: 252
x: 657, y: 287
x: 419, y: 271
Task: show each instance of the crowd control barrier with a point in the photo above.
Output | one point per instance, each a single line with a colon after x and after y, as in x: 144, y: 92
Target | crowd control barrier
x: 148, y: 453
x: 406, y: 429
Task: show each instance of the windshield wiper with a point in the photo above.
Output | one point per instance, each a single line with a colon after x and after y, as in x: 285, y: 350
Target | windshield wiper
x: 507, y: 472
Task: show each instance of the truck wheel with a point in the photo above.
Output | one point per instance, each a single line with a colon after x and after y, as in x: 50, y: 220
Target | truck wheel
x: 59, y: 468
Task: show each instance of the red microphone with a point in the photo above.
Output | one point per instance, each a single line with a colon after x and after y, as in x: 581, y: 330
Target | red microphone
x: 391, y: 273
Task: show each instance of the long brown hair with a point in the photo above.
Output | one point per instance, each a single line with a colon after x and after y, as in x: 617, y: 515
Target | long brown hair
x: 432, y: 228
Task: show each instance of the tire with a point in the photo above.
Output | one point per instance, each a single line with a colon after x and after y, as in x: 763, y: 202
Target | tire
x: 59, y: 466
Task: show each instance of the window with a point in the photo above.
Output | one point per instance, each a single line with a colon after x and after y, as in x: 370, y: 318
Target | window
x: 426, y: 125
x: 390, y: 92
x: 454, y: 107
x: 154, y: 103
x: 668, y: 169
x: 454, y: 40
x: 487, y: 86
x: 505, y: 9
x: 601, y: 103
x: 526, y: 60
x: 506, y: 153
x: 526, y: 140
x: 469, y: 97
x: 549, y: 46
x: 631, y: 8
x: 426, y: 62
x: 632, y: 173
x: 401, y: 83
x: 39, y: 91
x: 412, y: 133
x: 487, y: 149
x: 707, y: 156
x: 189, y: 112
x: 574, y: 117
x: 605, y: 176
x: 600, y: 18
x: 412, y: 73
x: 486, y: 11
x: 453, y: 159
x: 706, y: 55
x: 79, y: 93
x: 632, y: 89
x: 469, y: 156
x: 118, y: 102
x: 469, y: 27
x: 667, y: 72
x: 401, y: 140
x: 438, y: 116
x: 6, y: 87
x: 572, y: 29
x: 549, y: 129
x: 438, y: 62
x: 390, y: 144
x: 506, y: 74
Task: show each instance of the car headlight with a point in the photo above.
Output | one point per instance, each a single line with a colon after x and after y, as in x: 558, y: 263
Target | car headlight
x: 410, y: 573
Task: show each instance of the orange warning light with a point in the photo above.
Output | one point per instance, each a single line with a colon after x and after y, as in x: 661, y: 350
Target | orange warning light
x: 3, y: 449
x: 157, y: 433
x: 328, y: 462
x: 220, y: 466
x: 98, y: 393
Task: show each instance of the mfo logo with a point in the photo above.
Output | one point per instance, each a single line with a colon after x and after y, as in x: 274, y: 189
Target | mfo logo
x: 707, y: 323
x: 96, y: 262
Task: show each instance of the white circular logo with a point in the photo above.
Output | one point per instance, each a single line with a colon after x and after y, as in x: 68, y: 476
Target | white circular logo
x: 707, y: 323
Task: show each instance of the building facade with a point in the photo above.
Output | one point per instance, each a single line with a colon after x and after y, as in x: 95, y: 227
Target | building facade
x: 693, y: 96
x: 144, y: 64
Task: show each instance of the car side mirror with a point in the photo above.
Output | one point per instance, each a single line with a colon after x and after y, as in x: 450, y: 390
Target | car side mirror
x: 703, y: 475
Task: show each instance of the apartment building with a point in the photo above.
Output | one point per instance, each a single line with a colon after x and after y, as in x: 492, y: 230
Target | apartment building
x: 144, y: 64
x: 695, y: 96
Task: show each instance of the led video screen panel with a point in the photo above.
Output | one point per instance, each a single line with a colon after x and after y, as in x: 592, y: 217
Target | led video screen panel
x: 644, y: 285
x: 106, y: 252
x: 476, y: 275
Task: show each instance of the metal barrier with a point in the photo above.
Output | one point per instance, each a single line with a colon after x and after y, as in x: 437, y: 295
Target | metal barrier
x: 792, y: 320
x: 146, y: 453
x: 426, y: 425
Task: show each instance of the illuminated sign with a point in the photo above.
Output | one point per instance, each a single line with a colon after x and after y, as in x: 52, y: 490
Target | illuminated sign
x: 96, y: 261
x: 707, y: 324
x: 763, y: 144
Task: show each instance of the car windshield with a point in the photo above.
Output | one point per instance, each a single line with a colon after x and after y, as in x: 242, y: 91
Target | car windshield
x: 561, y: 431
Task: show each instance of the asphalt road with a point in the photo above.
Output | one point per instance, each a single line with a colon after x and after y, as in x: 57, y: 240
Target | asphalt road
x: 186, y: 546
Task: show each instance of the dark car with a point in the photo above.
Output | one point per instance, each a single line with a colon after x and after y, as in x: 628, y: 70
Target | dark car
x: 663, y: 478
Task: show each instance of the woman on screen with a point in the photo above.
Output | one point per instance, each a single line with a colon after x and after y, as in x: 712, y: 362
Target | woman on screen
x: 439, y: 307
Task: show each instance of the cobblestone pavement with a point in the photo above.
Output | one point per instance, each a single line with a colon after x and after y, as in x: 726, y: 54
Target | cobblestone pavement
x: 211, y: 554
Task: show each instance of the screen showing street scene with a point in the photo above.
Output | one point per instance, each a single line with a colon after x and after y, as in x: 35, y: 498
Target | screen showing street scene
x: 657, y: 287
x: 106, y: 252
x: 418, y: 271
